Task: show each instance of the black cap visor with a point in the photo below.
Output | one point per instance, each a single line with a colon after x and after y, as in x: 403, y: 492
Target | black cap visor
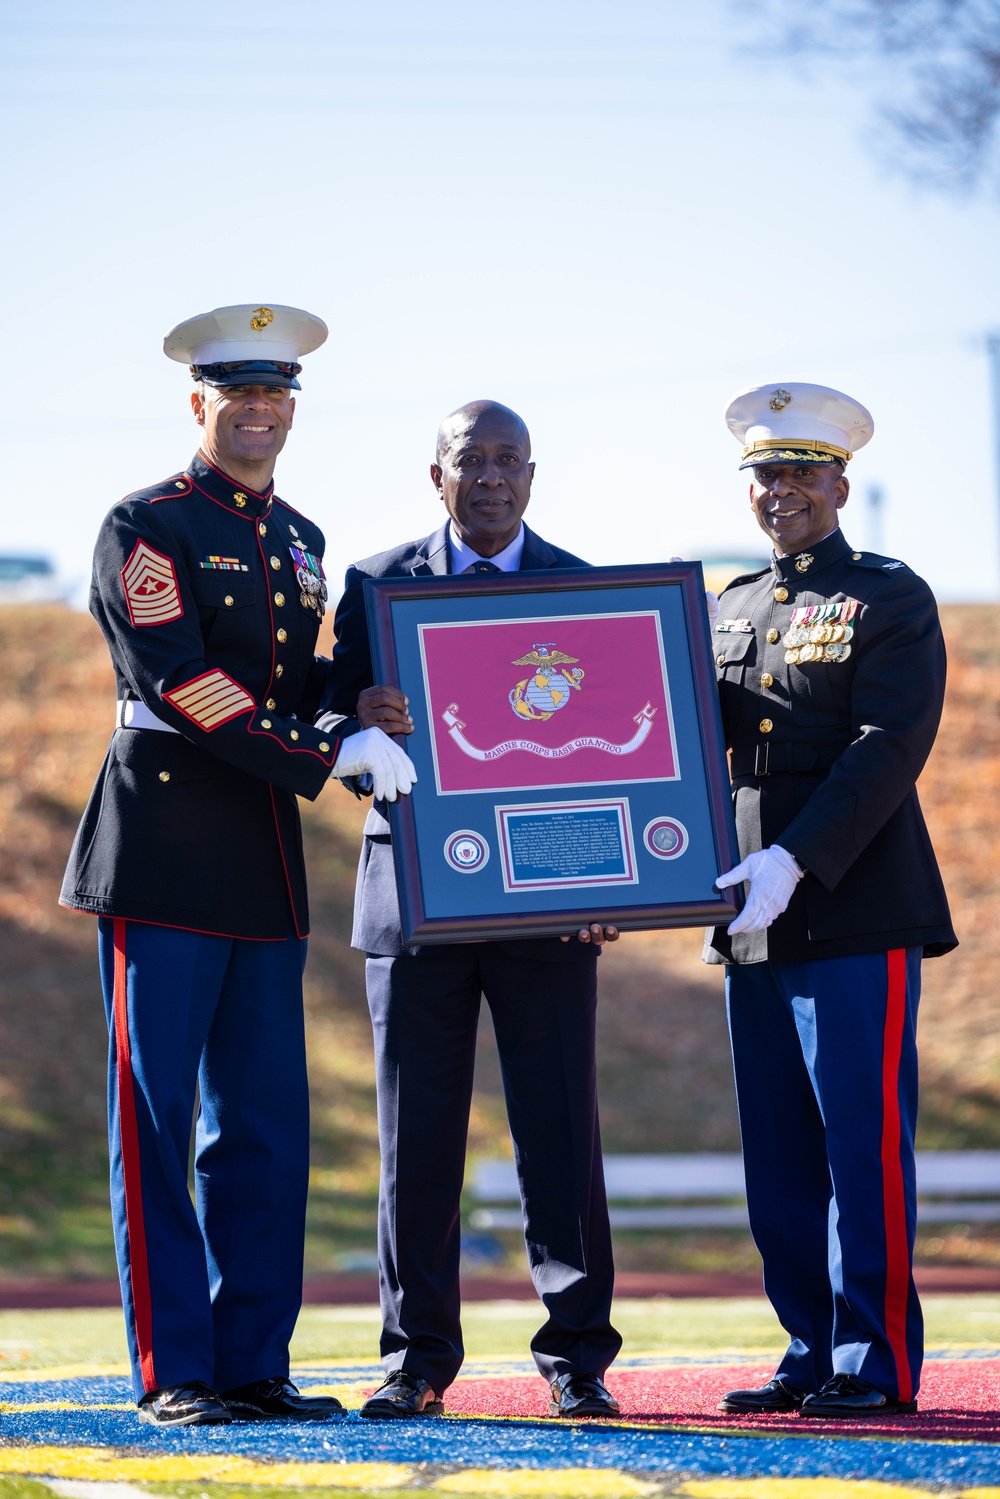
x: 249, y: 372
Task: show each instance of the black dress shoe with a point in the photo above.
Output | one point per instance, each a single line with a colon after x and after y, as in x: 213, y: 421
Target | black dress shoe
x: 400, y: 1395
x: 776, y: 1395
x: 278, y: 1400
x: 577, y: 1394
x: 191, y: 1404
x: 846, y: 1395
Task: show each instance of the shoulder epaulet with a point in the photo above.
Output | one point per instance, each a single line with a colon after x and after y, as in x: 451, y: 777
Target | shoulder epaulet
x: 746, y: 578
x: 175, y: 487
x: 877, y: 563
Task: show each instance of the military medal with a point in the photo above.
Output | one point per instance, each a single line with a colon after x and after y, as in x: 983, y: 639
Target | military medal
x: 310, y: 577
x: 820, y: 632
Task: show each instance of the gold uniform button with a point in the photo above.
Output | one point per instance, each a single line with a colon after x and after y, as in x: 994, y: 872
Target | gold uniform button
x: 270, y: 705
x: 279, y: 599
x: 855, y: 556
x: 294, y: 734
x: 324, y: 746
x: 240, y: 499
x: 772, y: 636
x: 766, y: 726
x: 262, y: 529
x: 229, y: 601
x: 780, y: 595
x: 164, y: 775
x: 282, y: 636
x: 278, y: 669
x: 720, y: 659
x: 276, y: 563
x: 766, y: 679
x: 265, y: 723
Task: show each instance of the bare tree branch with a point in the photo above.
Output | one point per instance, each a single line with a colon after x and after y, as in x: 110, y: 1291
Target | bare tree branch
x: 944, y: 58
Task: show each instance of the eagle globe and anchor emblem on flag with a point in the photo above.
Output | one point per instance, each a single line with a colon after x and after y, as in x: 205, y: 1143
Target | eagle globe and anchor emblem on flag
x: 539, y: 696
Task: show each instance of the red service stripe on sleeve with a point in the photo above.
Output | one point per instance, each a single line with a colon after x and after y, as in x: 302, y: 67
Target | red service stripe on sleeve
x: 150, y: 585
x: 211, y: 700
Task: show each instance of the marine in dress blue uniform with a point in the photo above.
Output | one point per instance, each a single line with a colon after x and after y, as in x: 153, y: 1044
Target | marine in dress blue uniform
x: 831, y: 670
x: 425, y: 1002
x: 209, y: 592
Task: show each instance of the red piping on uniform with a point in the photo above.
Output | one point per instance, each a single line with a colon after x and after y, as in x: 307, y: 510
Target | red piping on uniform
x: 239, y: 514
x: 129, y: 1134
x: 268, y: 492
x: 172, y: 926
x: 897, y: 1252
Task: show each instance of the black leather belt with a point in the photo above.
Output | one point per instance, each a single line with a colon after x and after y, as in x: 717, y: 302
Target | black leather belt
x: 767, y: 759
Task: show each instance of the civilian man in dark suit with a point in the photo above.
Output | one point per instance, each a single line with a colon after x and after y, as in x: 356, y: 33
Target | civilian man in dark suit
x: 425, y: 1001
x: 831, y: 674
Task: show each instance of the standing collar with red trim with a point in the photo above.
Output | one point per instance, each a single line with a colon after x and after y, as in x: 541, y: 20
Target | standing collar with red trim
x: 226, y: 491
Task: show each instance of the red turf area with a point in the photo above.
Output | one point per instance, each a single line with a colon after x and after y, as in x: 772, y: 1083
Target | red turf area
x: 959, y: 1398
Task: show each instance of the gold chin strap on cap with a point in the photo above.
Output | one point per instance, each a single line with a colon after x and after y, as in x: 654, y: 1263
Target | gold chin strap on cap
x: 767, y: 450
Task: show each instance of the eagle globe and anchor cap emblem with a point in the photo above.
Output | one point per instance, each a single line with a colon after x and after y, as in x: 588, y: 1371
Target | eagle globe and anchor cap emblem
x: 538, y: 697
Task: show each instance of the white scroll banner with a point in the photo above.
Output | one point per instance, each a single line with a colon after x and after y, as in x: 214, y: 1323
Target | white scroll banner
x: 644, y: 720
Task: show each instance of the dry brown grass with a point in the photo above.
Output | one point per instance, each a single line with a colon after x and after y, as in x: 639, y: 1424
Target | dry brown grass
x: 665, y: 1075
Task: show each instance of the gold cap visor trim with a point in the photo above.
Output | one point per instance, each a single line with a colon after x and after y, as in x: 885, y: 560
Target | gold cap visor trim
x: 764, y: 451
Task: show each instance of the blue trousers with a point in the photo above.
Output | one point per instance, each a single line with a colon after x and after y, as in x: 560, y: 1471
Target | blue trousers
x: 425, y: 1011
x: 211, y: 1289
x: 826, y: 1077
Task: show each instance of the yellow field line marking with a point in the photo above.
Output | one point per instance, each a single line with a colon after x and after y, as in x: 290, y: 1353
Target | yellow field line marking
x: 573, y: 1483
x: 65, y: 1371
x: 16, y: 1408
x: 103, y: 1464
x: 803, y: 1488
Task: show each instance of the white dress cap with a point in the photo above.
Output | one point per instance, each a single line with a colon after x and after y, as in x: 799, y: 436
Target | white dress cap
x: 797, y: 423
x: 255, y: 331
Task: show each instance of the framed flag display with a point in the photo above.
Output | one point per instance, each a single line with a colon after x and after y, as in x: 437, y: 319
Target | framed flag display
x: 569, y: 749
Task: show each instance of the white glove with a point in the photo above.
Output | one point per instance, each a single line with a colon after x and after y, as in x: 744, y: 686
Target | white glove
x: 392, y: 770
x: 773, y: 875
x: 711, y: 602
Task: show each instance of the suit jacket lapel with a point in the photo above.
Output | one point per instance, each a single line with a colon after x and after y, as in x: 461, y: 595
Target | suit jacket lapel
x: 537, y: 553
x: 434, y: 556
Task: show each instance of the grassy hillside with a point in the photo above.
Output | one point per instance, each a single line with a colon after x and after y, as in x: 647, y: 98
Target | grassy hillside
x: 665, y: 1073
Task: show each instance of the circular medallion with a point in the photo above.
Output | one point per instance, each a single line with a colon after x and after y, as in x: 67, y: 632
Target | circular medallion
x: 665, y: 837
x: 466, y: 851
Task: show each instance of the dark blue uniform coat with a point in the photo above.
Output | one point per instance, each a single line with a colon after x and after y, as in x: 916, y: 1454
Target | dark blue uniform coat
x: 194, y: 589
x: 834, y: 778
x: 425, y: 1004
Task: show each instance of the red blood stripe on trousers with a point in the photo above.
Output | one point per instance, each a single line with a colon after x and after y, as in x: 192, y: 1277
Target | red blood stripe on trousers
x: 142, y: 1305
x: 897, y: 1254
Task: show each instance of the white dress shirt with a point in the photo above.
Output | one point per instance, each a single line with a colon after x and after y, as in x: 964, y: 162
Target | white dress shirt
x: 462, y: 556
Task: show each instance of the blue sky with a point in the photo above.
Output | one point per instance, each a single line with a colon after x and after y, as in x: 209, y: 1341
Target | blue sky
x: 610, y: 216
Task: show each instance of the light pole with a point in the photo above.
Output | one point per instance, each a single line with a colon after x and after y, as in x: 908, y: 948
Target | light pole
x: 993, y: 350
x: 876, y: 498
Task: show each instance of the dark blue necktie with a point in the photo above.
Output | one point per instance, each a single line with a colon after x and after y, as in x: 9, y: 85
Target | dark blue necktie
x: 482, y: 567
